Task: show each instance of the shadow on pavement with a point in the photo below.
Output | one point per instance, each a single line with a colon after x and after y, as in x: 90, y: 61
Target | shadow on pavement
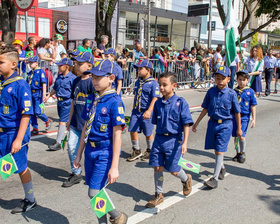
x: 272, y: 180
x: 48, y: 172
x: 40, y: 213
x: 272, y: 201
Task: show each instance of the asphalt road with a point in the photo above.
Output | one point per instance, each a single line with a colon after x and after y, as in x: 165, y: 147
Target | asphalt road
x: 249, y: 194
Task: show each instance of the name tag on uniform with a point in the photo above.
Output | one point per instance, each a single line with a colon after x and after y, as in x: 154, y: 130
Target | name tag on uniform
x: 246, y: 104
x: 6, y: 109
x: 220, y: 121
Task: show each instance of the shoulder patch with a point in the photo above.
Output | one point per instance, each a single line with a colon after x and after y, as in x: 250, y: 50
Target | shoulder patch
x: 27, y: 103
x: 121, y: 110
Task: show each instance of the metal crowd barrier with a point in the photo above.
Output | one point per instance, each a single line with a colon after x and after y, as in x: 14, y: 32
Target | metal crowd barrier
x: 189, y: 75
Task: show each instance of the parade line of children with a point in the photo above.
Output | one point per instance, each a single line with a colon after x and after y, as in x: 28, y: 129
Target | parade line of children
x: 90, y: 107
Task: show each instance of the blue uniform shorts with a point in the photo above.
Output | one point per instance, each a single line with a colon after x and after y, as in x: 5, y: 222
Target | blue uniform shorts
x: 218, y: 135
x: 139, y: 124
x: 6, y: 141
x: 97, y: 165
x: 63, y: 110
x: 166, y: 152
x: 245, y: 120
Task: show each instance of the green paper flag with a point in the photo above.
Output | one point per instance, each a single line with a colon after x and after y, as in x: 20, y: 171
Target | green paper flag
x: 188, y: 165
x: 42, y: 107
x: 101, y: 203
x: 63, y: 143
x: 127, y: 120
x: 8, y: 166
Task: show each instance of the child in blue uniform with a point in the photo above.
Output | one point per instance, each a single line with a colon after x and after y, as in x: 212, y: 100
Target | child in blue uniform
x: 62, y: 88
x: 81, y: 89
x: 146, y: 94
x: 221, y: 104
x: 101, y: 135
x: 15, y: 110
x: 173, y: 118
x: 111, y: 54
x: 37, y: 81
x: 247, y: 101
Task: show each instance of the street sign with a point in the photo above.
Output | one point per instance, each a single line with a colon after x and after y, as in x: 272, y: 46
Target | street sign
x: 23, y: 5
x: 213, y: 25
x: 198, y: 10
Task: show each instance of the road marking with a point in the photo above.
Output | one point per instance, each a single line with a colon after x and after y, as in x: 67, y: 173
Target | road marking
x: 169, y: 201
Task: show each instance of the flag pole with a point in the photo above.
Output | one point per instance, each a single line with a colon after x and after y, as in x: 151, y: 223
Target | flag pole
x: 241, y: 53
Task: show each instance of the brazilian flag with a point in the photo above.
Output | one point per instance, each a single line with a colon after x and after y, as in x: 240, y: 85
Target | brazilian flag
x: 8, y: 166
x: 101, y: 203
x: 188, y: 165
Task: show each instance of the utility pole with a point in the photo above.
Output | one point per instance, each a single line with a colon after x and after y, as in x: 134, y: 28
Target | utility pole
x: 26, y: 25
x: 148, y: 27
x: 210, y: 25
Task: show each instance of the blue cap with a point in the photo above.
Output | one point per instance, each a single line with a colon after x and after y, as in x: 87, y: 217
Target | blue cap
x: 223, y: 70
x: 84, y: 57
x: 144, y: 63
x: 110, y: 51
x: 34, y: 59
x: 76, y: 52
x: 243, y: 71
x: 102, y: 68
x: 65, y: 61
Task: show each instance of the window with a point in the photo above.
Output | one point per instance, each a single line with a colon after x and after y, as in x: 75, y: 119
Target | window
x: 30, y: 24
x: 44, y: 27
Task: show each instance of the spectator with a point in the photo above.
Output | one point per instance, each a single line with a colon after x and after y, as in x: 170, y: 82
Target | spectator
x: 2, y: 44
x: 59, y: 46
x: 159, y: 62
x: 192, y: 59
x: 184, y: 55
x: 138, y: 55
x: 125, y: 61
x: 31, y: 47
x: 96, y: 53
x: 44, y: 51
x: 22, y: 56
x: 104, y: 41
x: 217, y: 59
x: 85, y: 46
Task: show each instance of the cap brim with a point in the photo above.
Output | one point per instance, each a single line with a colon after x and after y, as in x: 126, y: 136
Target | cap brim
x: 223, y: 74
x: 97, y: 73
x: 79, y: 59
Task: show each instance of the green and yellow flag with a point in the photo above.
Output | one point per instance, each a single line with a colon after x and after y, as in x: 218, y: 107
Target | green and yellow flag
x: 42, y: 107
x: 101, y: 203
x: 64, y: 141
x: 188, y: 165
x: 8, y: 166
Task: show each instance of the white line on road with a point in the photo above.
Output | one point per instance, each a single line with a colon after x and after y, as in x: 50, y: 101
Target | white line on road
x: 43, y: 135
x: 149, y: 212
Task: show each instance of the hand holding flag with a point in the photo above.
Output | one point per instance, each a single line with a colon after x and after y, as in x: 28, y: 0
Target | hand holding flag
x: 8, y: 166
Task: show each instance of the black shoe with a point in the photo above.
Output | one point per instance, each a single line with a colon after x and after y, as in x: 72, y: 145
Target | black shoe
x: 222, y: 174
x: 73, y: 179
x: 275, y: 91
x: 24, y: 206
x: 35, y: 131
x: 212, y: 183
x: 136, y: 154
x: 55, y: 147
x: 235, y: 158
x: 241, y: 158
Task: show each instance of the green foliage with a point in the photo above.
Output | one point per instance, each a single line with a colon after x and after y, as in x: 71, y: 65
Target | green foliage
x: 268, y: 7
x: 276, y: 31
x: 255, y: 40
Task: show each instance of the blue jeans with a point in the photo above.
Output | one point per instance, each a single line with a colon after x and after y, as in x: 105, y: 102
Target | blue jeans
x: 73, y: 145
x: 232, y: 76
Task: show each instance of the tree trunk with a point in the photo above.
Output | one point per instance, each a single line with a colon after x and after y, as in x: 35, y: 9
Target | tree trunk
x: 8, y: 18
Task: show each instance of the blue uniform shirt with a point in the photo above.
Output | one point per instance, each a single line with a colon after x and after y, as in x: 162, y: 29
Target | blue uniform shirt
x: 278, y: 63
x: 15, y: 100
x: 270, y: 62
x: 252, y: 65
x: 221, y: 104
x: 36, y: 79
x: 109, y: 113
x: 149, y: 91
x: 172, y: 115
x: 118, y: 76
x: 63, y: 85
x: 246, y: 99
x: 81, y: 89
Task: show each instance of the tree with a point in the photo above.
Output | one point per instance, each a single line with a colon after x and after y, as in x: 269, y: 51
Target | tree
x: 8, y: 19
x: 104, y: 14
x: 276, y: 31
x: 269, y: 8
x: 255, y: 40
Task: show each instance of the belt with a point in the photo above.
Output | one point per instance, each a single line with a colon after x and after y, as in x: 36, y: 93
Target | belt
x: 7, y: 129
x: 219, y: 121
x: 268, y: 68
x: 59, y: 98
x: 100, y: 144
x: 167, y: 134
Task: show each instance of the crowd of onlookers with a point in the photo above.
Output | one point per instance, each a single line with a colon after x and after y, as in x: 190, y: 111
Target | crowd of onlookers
x: 189, y: 64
